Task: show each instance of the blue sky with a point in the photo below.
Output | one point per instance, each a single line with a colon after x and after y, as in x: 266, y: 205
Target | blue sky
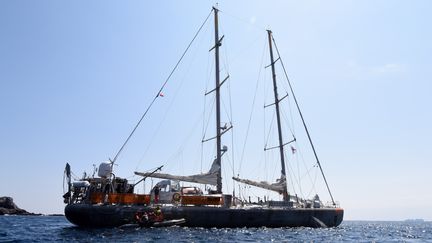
x: 76, y: 76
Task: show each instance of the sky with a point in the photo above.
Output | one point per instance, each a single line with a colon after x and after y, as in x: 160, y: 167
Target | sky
x: 76, y: 76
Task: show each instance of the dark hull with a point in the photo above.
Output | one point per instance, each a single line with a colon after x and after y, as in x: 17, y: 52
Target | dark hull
x: 85, y: 215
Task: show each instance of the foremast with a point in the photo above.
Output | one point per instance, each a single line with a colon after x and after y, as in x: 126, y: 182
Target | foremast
x: 214, y: 176
x: 218, y: 43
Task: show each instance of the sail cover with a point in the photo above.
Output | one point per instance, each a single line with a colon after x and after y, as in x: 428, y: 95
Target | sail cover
x: 209, y: 178
x: 278, y: 186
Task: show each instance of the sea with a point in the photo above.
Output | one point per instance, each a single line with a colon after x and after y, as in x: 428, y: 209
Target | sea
x: 58, y: 229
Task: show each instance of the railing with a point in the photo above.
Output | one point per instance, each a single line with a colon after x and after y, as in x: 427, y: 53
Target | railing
x: 201, y: 200
x: 120, y: 198
x: 145, y: 199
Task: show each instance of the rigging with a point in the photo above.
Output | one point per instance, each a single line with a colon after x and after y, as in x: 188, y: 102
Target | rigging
x: 160, y: 90
x: 304, y: 123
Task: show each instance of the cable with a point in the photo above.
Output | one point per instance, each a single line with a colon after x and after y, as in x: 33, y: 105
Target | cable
x: 252, y: 109
x: 160, y: 90
x: 304, y: 124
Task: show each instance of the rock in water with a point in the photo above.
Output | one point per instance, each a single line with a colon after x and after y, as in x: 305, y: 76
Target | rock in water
x: 7, y: 206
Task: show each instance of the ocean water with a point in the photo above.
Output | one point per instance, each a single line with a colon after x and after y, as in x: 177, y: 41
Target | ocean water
x: 53, y: 228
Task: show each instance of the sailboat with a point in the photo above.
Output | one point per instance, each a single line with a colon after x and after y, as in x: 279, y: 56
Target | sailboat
x: 110, y: 201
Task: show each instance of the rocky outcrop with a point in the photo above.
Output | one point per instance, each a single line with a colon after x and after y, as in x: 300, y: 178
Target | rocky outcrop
x: 7, y: 206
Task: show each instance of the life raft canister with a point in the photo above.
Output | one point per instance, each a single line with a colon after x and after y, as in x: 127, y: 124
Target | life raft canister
x: 176, y: 197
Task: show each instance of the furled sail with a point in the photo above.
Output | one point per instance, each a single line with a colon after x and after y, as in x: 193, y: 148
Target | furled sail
x: 209, y: 178
x: 278, y: 186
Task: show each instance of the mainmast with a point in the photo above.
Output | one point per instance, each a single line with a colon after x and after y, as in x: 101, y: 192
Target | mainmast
x: 217, y: 89
x: 281, y: 144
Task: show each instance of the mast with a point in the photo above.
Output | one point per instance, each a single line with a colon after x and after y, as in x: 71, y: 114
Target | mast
x: 281, y: 144
x: 217, y: 89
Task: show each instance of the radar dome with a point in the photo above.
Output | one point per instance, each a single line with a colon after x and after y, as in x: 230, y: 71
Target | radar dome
x: 105, y: 169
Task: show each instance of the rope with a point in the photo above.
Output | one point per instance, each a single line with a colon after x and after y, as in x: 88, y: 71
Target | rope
x: 252, y: 109
x: 304, y: 124
x: 160, y: 90
x: 161, y: 123
x: 208, y: 120
x: 270, y: 130
x: 291, y: 175
x: 232, y: 130
x: 248, y: 22
x: 205, y: 125
x: 203, y: 115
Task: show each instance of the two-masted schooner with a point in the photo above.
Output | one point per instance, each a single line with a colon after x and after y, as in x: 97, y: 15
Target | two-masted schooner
x: 109, y: 201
